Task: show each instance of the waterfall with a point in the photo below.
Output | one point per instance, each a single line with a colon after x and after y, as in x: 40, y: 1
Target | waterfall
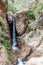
x: 14, y: 35
x: 14, y: 47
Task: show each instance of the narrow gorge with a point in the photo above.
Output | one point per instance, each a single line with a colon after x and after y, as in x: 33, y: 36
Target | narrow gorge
x: 21, y: 32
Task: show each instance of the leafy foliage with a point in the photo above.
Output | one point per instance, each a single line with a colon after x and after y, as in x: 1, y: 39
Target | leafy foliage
x: 10, y: 57
x: 39, y: 6
x: 30, y: 28
x: 35, y: 8
x: 11, y: 6
x: 6, y: 43
x: 1, y: 33
x: 30, y: 12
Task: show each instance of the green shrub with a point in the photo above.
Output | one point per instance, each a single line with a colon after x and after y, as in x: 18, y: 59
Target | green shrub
x: 30, y: 36
x: 30, y: 28
x: 10, y: 57
x: 1, y: 33
x: 6, y: 43
x: 35, y: 8
x: 11, y: 6
x: 31, y: 14
x: 39, y: 6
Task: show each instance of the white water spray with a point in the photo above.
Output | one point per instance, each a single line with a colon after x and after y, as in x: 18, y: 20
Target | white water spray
x: 20, y: 62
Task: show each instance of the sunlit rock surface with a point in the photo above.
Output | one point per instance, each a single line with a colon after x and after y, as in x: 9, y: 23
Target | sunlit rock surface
x: 35, y: 61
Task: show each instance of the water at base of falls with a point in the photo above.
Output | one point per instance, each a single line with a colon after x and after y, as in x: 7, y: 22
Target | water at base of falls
x: 20, y: 61
x: 15, y: 48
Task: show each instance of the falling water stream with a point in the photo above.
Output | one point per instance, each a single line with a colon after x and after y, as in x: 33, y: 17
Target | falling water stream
x: 15, y: 48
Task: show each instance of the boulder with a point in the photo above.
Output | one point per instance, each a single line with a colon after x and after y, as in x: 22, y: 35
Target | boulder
x: 21, y: 21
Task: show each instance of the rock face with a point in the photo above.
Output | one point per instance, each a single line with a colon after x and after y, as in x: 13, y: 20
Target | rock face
x: 38, y: 23
x: 40, y: 0
x: 25, y: 52
x: 21, y: 21
x: 34, y: 40
x: 34, y: 37
x: 4, y: 31
x: 3, y: 56
x: 3, y: 7
x: 4, y: 34
x: 39, y: 50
